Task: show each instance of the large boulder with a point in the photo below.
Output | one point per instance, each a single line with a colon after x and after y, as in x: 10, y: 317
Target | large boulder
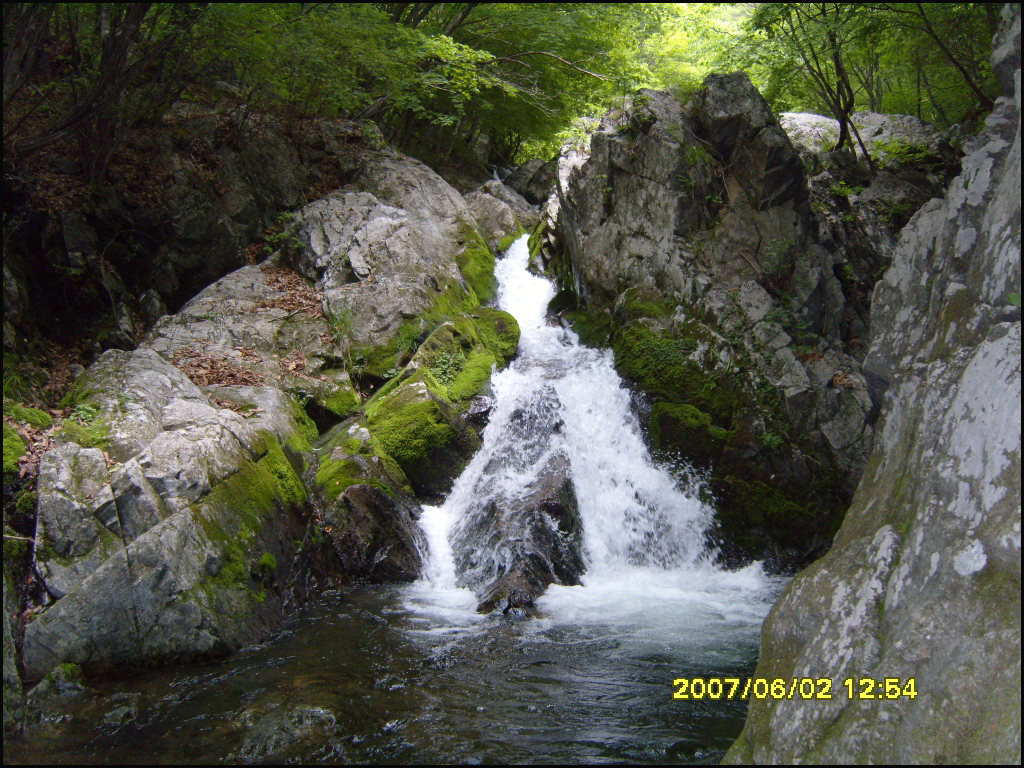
x: 176, y: 495
x: 534, y: 180
x: 687, y: 240
x: 923, y: 581
x: 170, y: 517
x: 500, y: 212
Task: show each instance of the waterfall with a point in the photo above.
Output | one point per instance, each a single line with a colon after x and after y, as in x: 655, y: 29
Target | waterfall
x: 561, y: 404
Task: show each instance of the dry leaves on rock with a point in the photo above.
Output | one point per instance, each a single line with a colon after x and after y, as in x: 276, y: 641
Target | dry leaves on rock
x: 294, y: 293
x: 206, y: 370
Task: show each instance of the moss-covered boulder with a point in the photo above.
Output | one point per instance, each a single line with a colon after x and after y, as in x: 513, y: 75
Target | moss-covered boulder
x: 417, y: 419
x: 181, y: 536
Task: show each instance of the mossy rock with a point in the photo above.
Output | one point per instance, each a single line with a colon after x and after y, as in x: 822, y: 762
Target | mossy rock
x: 34, y: 417
x: 422, y: 432
x: 14, y: 449
x: 476, y: 263
x: 383, y: 361
x: 640, y: 302
x: 94, y: 434
x: 687, y: 430
x: 661, y: 366
x: 236, y: 517
x: 460, y: 355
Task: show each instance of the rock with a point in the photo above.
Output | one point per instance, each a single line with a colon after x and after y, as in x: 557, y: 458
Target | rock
x: 383, y: 250
x: 510, y: 548
x: 500, y: 211
x: 125, y: 710
x: 534, y: 180
x: 167, y: 541
x: 271, y: 735
x: 260, y: 325
x: 688, y: 239
x: 13, y: 696
x: 923, y: 580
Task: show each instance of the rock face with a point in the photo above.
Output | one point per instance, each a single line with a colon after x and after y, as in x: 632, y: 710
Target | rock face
x: 687, y: 240
x: 180, y: 488
x: 166, y: 516
x: 923, y: 580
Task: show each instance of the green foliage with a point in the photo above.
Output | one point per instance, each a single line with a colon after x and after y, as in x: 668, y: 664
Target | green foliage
x: 26, y: 415
x: 929, y: 60
x: 904, y: 153
x: 842, y: 189
x: 447, y: 365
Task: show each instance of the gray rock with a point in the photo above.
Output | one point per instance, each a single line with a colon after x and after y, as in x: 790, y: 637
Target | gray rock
x: 272, y: 734
x: 509, y: 549
x: 259, y: 325
x: 923, y: 581
x: 500, y: 211
x: 13, y: 696
x: 166, y: 543
x: 534, y: 180
x: 702, y: 214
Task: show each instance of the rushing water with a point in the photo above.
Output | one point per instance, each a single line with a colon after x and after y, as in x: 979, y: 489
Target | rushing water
x: 414, y: 674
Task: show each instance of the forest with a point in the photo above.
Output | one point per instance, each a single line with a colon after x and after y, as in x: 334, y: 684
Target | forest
x: 439, y: 78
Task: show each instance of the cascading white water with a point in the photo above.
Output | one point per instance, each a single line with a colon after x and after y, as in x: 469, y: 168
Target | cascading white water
x: 643, y: 535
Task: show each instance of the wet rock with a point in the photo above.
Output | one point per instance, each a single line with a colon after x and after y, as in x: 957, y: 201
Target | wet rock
x: 689, y: 240
x: 272, y: 735
x: 509, y: 548
x: 923, y: 580
x: 125, y: 710
x: 534, y: 180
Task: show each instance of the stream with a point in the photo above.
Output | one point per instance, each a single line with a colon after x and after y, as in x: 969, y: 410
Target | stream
x: 413, y: 674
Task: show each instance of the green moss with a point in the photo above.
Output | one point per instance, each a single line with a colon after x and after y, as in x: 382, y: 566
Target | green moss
x: 268, y: 561
x: 536, y: 241
x: 289, y: 484
x: 475, y: 373
x: 640, y: 302
x: 688, y: 430
x: 14, y: 449
x: 307, y: 433
x: 31, y: 416
x: 342, y: 402
x: 476, y: 262
x: 417, y: 428
x: 382, y: 360
x: 498, y: 331
x: 660, y: 366
x: 233, y: 517
x: 93, y: 435
x: 506, y: 242
x: 26, y: 502
x: 592, y: 326
x: 336, y: 475
x: 14, y: 548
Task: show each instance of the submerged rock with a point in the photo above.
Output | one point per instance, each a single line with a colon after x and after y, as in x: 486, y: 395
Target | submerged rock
x: 923, y: 581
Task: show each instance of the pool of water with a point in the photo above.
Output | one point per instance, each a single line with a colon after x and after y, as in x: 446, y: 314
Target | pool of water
x: 395, y: 675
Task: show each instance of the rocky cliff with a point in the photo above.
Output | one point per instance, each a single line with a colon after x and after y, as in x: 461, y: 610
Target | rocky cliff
x: 923, y: 581
x: 273, y: 436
